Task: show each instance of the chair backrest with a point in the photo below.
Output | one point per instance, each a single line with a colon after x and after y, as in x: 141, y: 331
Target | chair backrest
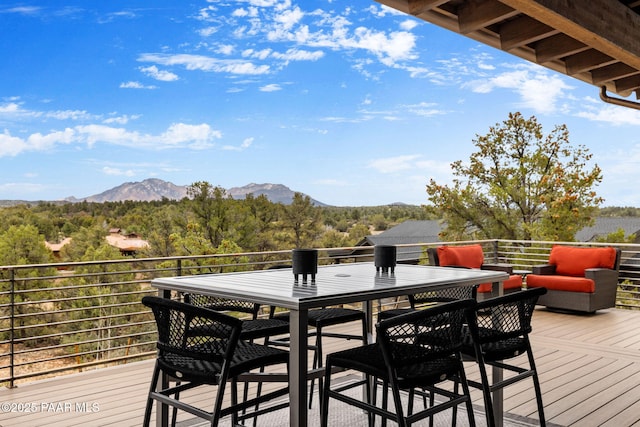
x: 443, y: 295
x: 572, y: 261
x: 218, y: 333
x: 497, y: 323
x: 411, y: 339
x: 469, y: 256
x: 223, y: 304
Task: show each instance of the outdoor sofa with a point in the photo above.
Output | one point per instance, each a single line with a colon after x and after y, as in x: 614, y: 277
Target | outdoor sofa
x: 578, y: 279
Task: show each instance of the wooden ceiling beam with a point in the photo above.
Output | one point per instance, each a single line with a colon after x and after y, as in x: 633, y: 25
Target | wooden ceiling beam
x: 612, y: 72
x: 474, y: 15
x: 605, y: 25
x: 556, y: 47
x: 522, y: 31
x: 628, y: 84
x: 416, y: 7
x: 587, y: 61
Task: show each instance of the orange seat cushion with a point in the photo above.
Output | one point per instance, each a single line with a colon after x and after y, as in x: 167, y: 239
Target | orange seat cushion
x: 513, y: 282
x: 470, y: 256
x: 561, y: 283
x: 572, y: 261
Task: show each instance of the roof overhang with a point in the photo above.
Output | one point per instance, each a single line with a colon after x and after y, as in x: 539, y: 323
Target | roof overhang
x: 596, y: 41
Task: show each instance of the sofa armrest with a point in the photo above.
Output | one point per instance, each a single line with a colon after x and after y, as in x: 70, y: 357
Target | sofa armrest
x: 507, y: 268
x: 602, y: 276
x: 544, y: 269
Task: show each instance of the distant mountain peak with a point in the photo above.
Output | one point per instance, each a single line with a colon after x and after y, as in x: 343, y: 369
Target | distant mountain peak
x: 153, y: 189
x: 276, y: 193
x: 150, y: 189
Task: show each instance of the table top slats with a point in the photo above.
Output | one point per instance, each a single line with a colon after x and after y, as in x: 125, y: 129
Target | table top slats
x: 335, y: 284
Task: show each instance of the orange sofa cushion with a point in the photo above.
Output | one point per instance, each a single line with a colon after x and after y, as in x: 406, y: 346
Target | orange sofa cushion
x: 470, y: 256
x: 572, y: 261
x: 561, y: 283
x: 513, y: 282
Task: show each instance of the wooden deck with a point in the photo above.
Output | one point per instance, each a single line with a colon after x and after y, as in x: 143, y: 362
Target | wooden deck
x: 589, y: 368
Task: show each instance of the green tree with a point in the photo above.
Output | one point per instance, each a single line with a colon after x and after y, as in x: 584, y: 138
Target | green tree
x: 358, y: 232
x: 210, y: 205
x: 617, y: 236
x: 96, y: 303
x: 519, y: 185
x: 24, y: 245
x: 303, y: 220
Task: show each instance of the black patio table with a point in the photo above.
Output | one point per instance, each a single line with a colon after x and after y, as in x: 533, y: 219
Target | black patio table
x: 334, y: 285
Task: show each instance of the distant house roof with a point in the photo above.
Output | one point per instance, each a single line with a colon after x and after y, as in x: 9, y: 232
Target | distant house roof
x: 604, y: 226
x: 56, y: 247
x: 126, y: 244
x: 408, y: 232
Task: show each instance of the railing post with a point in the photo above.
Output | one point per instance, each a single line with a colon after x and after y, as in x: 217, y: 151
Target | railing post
x: 12, y: 317
x: 494, y: 245
x: 179, y: 267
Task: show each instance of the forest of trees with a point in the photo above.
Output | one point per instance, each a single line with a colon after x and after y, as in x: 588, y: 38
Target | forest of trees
x: 208, y: 222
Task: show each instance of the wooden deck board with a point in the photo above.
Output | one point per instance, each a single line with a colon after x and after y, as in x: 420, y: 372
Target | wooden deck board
x: 589, y: 368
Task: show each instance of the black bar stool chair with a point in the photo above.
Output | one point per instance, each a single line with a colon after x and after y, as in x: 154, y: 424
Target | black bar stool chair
x: 498, y: 331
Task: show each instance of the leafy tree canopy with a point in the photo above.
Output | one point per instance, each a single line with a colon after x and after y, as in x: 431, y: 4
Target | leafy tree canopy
x: 521, y: 185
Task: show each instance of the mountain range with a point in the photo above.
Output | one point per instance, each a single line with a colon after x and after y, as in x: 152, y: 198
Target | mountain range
x: 156, y: 189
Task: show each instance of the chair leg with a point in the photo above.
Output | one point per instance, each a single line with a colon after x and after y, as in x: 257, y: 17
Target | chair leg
x: 174, y: 413
x: 370, y: 393
x: 400, y: 418
x: 486, y: 393
x: 258, y: 388
x: 432, y: 402
x: 454, y: 412
x: 215, y: 419
x: 324, y: 406
x: 536, y: 386
x: 410, y: 396
x: 317, y: 363
x: 154, y: 382
x: 385, y: 400
x: 469, y: 403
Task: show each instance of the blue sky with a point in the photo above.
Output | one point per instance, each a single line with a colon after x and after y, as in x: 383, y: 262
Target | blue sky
x: 349, y: 102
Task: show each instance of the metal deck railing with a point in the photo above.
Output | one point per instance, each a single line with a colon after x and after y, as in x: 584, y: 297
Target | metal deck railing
x: 71, y: 317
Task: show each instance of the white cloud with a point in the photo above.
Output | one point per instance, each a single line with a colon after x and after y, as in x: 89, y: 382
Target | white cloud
x: 537, y: 89
x: 245, y: 144
x: 612, y: 114
x: 205, y: 63
x: 22, y: 10
x: 11, y: 145
x: 195, y: 136
x: 270, y: 88
x: 226, y: 49
x: 178, y: 135
x: 162, y: 75
x: 69, y: 115
x: 136, y: 85
x: 298, y: 55
x: 289, y: 18
x: 9, y: 108
x: 208, y: 31
x: 395, y: 164
x: 120, y: 120
x: 425, y: 109
x: 408, y: 25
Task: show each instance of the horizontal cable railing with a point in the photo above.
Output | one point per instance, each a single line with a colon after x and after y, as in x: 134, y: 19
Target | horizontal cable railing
x: 71, y: 317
